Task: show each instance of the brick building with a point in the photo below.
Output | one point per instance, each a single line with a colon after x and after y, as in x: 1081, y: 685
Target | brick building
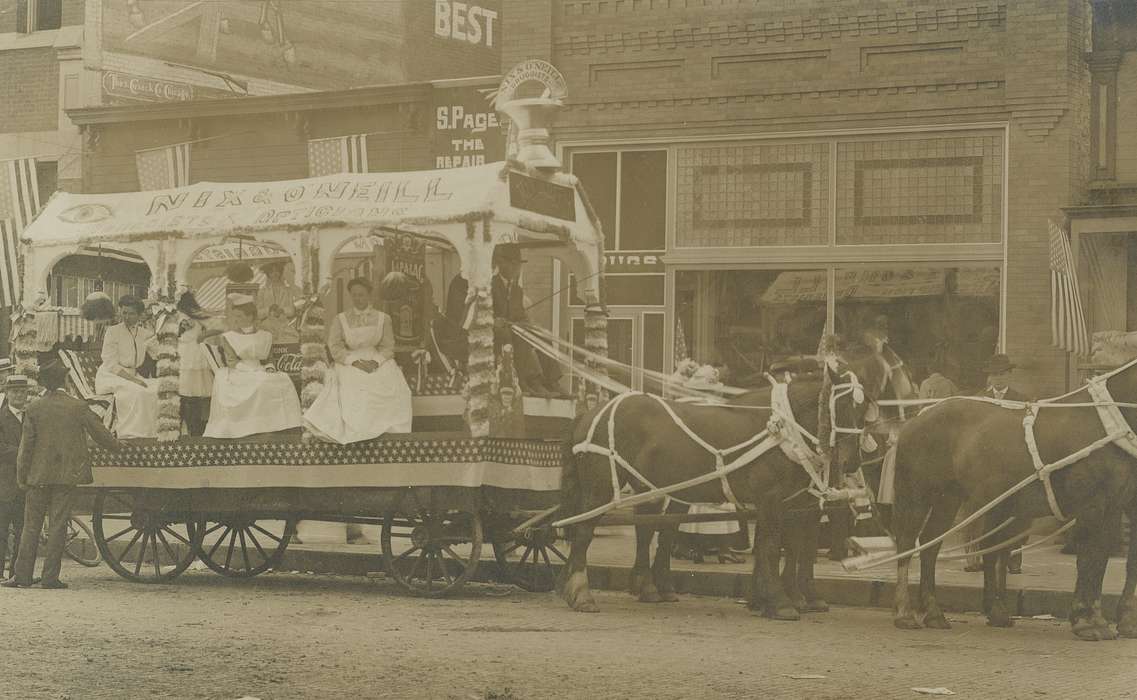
x: 57, y: 55
x: 765, y: 169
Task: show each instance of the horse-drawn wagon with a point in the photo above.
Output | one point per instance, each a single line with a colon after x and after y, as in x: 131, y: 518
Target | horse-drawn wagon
x: 439, y: 494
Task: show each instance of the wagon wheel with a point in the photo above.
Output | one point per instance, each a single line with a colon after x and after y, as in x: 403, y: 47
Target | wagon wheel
x: 431, y: 552
x: 143, y: 545
x: 529, y: 559
x: 76, y: 545
x: 239, y: 547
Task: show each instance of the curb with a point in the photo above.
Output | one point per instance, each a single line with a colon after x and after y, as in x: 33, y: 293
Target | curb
x: 849, y: 592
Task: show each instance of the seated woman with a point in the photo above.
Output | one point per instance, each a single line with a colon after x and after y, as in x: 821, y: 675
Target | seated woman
x: 365, y: 395
x: 247, y: 399
x: 125, y: 347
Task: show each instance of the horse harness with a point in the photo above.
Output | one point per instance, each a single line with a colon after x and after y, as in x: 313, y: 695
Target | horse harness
x: 782, y: 430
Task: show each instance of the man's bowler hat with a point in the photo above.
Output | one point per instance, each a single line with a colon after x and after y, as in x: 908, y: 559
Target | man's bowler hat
x: 998, y: 364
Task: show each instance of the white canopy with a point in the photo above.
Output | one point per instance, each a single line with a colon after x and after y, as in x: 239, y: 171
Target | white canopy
x: 471, y: 209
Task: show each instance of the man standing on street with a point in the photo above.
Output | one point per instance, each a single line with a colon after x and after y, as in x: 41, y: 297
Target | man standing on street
x: 999, y: 369
x: 11, y: 496
x: 52, y: 461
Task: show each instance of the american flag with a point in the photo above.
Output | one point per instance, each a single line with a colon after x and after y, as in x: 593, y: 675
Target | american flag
x: 19, y: 203
x: 681, y: 351
x: 1067, y: 320
x: 342, y: 154
x: 163, y: 168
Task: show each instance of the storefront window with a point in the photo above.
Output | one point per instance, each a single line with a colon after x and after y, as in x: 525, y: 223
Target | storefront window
x: 1107, y: 273
x: 942, y: 319
x: 744, y: 321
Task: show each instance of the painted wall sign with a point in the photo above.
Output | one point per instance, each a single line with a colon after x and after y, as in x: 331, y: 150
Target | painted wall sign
x: 141, y: 88
x: 467, y: 130
x: 466, y: 22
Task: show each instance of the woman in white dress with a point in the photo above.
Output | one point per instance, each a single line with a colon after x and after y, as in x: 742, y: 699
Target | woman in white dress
x: 125, y: 347
x: 248, y: 399
x: 365, y: 394
x: 195, y: 378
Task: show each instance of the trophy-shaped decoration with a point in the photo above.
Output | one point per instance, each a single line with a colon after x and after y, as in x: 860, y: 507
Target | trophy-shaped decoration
x: 531, y: 95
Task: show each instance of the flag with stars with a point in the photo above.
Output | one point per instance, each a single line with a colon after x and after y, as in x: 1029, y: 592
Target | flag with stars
x: 342, y: 154
x: 163, y: 168
x: 19, y: 204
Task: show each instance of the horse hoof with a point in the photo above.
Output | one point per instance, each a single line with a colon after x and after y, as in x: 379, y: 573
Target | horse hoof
x: 587, y: 606
x: 1127, y: 629
x: 1091, y: 632
x: 669, y: 596
x: 938, y: 622
x: 815, y: 606
x: 788, y: 613
x: 1000, y: 620
x: 650, y: 596
x: 906, y: 622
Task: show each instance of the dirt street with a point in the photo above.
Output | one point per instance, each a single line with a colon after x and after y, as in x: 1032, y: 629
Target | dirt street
x: 307, y: 636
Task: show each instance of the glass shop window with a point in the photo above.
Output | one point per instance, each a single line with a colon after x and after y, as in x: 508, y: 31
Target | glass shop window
x: 943, y: 319
x: 1107, y: 274
x: 628, y: 190
x: 744, y: 321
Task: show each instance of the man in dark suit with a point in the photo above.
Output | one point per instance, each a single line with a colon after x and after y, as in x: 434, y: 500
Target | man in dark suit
x: 538, y: 374
x: 51, y: 462
x: 999, y: 370
x: 11, y: 495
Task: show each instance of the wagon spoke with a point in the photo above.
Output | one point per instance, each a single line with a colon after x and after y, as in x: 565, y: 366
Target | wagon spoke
x: 166, y: 545
x: 120, y: 533
x: 173, y: 533
x: 137, y: 534
x: 218, y: 543
x: 429, y: 572
x: 512, y: 549
x: 266, y: 533
x: 157, y: 557
x: 257, y: 544
x: 404, y: 555
x: 525, y: 556
x: 141, y: 554
x: 214, y: 529
x: 245, y: 551
x: 451, y: 552
x: 556, y: 551
x: 232, y: 546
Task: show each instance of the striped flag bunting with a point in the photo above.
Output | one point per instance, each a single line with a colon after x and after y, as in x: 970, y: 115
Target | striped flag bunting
x: 19, y: 204
x: 341, y: 154
x: 163, y: 168
x: 1067, y: 319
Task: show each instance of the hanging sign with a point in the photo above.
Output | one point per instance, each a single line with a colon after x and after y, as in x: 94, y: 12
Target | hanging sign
x: 407, y: 254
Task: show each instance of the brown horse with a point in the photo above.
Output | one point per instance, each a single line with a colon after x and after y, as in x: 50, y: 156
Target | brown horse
x: 651, y: 582
x: 968, y: 453
x: 655, y: 446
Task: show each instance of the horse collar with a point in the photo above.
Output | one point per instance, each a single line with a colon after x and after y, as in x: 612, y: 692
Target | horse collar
x: 1111, y: 417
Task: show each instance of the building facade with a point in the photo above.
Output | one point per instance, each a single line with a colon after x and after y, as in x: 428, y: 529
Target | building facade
x: 766, y: 170
x: 57, y: 55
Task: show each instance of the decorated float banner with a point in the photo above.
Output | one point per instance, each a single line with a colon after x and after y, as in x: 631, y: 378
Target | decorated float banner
x: 202, y: 209
x: 406, y: 254
x: 467, y: 130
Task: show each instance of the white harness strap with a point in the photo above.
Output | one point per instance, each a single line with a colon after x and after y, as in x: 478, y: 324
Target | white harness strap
x: 1040, y: 468
x: 1111, y: 419
x: 782, y: 429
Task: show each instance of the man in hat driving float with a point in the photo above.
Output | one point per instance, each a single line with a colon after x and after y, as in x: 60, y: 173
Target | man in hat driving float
x: 17, y: 390
x: 999, y: 370
x: 51, y: 462
x: 538, y: 374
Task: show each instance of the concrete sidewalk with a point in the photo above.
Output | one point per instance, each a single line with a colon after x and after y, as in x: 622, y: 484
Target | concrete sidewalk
x: 1044, y: 587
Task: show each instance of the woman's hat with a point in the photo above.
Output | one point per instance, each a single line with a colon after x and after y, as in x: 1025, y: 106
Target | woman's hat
x: 17, y: 381
x: 238, y: 299
x: 998, y: 364
x: 272, y: 265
